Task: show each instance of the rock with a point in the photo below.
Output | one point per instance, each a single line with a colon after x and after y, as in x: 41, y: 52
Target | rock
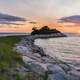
x: 72, y: 77
x: 27, y: 59
x: 23, y: 50
x: 74, y: 73
x: 57, y: 76
x: 66, y: 68
x: 36, y: 67
x: 55, y: 68
x: 22, y: 69
x: 46, y: 60
x: 38, y: 50
x: 36, y: 55
x: 57, y: 73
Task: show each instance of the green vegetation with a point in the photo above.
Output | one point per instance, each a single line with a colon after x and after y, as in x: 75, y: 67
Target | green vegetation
x: 44, y: 30
x: 9, y: 59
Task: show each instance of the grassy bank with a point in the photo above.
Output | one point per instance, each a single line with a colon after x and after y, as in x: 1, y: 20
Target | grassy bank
x: 8, y: 58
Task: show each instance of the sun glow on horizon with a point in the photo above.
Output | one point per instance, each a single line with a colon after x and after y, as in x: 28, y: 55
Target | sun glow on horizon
x: 78, y: 31
x: 27, y: 27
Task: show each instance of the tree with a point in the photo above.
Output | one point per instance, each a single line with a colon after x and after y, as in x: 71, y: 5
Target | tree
x: 44, y: 30
x: 34, y: 28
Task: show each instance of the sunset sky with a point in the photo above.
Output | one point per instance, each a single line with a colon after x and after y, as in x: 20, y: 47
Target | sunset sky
x: 43, y: 12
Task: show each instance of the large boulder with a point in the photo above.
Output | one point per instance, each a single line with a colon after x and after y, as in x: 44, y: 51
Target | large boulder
x: 23, y: 50
x: 56, y: 73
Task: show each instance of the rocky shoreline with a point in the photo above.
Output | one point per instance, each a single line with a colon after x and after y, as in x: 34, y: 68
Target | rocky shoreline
x: 37, y: 61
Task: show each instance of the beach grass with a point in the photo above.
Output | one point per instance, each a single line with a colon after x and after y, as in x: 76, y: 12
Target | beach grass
x: 9, y: 59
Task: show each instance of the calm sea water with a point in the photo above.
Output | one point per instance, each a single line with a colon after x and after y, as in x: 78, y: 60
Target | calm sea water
x: 67, y: 48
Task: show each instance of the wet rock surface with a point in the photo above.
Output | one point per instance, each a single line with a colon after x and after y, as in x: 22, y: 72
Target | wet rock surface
x: 37, y: 61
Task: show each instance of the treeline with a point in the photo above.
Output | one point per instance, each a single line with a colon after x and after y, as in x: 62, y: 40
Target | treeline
x: 44, y: 30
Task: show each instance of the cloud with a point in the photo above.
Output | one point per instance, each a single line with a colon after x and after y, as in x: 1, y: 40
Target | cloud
x: 71, y: 19
x: 10, y: 19
x: 37, y: 9
x: 6, y: 17
x: 10, y: 23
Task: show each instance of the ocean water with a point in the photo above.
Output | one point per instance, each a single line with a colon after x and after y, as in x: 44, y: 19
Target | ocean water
x: 65, y: 48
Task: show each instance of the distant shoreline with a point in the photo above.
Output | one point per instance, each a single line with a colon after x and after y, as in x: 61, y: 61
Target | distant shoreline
x: 4, y: 34
x: 13, y: 34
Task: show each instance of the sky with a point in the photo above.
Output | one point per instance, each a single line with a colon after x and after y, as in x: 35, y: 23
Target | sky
x: 44, y: 12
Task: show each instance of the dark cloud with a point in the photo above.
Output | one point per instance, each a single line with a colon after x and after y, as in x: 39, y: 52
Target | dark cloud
x: 7, y: 23
x: 32, y: 22
x: 9, y: 19
x: 71, y: 19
